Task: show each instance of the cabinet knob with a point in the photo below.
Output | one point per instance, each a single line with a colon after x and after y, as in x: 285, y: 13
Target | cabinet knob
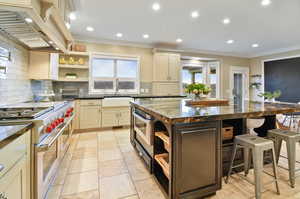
x: 141, y: 154
x: 1, y: 168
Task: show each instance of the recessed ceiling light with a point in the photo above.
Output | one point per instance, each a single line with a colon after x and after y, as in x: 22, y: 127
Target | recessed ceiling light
x: 56, y: 48
x: 72, y: 16
x: 119, y: 35
x: 28, y: 20
x: 90, y: 29
x: 255, y: 45
x: 50, y: 42
x: 146, y: 36
x: 178, y: 40
x: 230, y: 41
x: 195, y: 14
x: 68, y: 25
x: 266, y: 2
x: 226, y: 21
x: 156, y: 6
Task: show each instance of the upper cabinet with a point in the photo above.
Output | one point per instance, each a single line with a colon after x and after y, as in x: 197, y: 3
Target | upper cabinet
x: 47, y: 22
x: 43, y: 65
x: 166, y: 67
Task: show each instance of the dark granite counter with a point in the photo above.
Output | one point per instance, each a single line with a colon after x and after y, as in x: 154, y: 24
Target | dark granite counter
x: 132, y: 96
x: 7, y: 131
x: 176, y: 111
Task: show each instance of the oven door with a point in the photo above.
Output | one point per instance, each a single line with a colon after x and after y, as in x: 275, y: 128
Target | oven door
x: 46, y: 164
x: 143, y: 128
x: 64, y: 139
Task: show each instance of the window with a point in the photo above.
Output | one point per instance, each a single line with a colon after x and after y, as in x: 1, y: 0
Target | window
x: 114, y: 74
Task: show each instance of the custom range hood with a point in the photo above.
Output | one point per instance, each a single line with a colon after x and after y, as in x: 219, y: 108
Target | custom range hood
x: 36, y: 24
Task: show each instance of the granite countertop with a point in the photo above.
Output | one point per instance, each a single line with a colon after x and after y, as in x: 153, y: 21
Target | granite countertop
x: 132, y: 96
x: 7, y: 131
x: 176, y: 111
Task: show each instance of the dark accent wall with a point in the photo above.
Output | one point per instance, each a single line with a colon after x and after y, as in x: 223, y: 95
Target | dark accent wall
x: 284, y: 75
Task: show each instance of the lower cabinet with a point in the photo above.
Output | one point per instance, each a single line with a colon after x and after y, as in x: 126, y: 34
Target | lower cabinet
x: 90, y: 117
x: 194, y: 143
x: 116, y: 116
x: 13, y: 183
x: 166, y: 88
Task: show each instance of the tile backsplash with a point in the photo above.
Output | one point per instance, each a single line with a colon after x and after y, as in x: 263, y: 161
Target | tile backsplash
x: 16, y: 87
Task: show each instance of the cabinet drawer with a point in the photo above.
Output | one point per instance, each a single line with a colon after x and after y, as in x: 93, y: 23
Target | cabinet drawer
x: 12, y: 153
x: 90, y: 102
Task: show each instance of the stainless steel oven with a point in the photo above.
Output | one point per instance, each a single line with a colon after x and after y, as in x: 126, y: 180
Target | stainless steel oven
x: 48, y: 154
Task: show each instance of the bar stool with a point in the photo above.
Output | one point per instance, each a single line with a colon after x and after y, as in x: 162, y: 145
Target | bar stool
x: 257, y: 146
x: 291, y: 138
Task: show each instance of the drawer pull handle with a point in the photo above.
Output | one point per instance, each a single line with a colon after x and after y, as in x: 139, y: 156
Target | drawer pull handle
x: 1, y: 167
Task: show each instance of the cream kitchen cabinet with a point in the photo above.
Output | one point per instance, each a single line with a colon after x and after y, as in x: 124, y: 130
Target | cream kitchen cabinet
x: 43, y: 65
x: 115, y: 116
x: 16, y: 165
x: 166, y: 88
x: 166, y: 67
x: 90, y: 116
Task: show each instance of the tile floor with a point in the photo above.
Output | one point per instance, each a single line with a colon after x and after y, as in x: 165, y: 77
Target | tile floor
x: 103, y: 165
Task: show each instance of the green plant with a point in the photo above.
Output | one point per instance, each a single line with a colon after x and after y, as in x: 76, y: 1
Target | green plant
x: 270, y: 95
x: 198, y: 89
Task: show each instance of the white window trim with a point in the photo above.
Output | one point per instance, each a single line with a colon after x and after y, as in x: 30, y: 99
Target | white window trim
x: 109, y: 91
x: 205, y: 66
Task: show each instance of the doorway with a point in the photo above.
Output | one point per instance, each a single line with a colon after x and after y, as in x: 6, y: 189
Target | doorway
x: 239, y: 84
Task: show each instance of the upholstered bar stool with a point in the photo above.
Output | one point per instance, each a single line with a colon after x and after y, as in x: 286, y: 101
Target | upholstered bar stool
x: 257, y: 145
x: 291, y: 138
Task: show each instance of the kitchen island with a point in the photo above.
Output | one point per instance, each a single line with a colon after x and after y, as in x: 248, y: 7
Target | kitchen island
x: 183, y: 145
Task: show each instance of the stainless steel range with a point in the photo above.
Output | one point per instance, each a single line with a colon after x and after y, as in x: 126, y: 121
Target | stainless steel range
x: 50, y: 136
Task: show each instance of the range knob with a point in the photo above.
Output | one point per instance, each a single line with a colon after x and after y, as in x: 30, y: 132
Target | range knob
x: 49, y: 129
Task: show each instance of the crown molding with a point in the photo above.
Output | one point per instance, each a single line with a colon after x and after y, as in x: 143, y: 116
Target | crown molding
x: 274, y: 52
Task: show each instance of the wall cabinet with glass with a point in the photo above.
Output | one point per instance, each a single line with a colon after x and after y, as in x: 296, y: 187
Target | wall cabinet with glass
x: 202, y: 72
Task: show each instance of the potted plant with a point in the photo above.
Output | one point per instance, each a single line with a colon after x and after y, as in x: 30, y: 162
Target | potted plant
x: 270, y: 96
x: 197, y: 90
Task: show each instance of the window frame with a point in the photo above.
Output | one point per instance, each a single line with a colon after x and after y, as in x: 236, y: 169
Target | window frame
x: 115, y: 79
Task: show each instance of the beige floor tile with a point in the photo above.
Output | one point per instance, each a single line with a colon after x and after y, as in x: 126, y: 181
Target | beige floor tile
x: 88, y: 136
x: 86, y: 144
x: 148, y: 189
x: 82, y: 165
x: 112, y: 168
x: 138, y: 171
x: 116, y: 187
x: 54, y: 192
x: 125, y: 148
x: 108, y: 145
x: 83, y: 195
x: 85, y: 153
x: 80, y: 182
x: 110, y: 154
x: 60, y: 176
x: 132, y: 157
x: 132, y: 197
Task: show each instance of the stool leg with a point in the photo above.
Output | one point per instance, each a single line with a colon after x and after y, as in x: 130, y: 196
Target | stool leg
x: 246, y: 160
x: 291, y: 150
x: 278, y: 145
x: 275, y: 170
x: 257, y: 155
x: 231, y: 162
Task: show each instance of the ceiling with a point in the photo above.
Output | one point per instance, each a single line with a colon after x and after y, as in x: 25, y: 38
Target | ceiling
x: 276, y: 28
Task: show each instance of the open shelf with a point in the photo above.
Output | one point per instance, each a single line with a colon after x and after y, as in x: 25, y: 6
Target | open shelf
x: 74, y: 66
x: 73, y: 80
x: 163, y: 136
x: 163, y: 161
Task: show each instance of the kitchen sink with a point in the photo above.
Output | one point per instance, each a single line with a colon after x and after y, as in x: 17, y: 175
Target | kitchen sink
x: 116, y: 101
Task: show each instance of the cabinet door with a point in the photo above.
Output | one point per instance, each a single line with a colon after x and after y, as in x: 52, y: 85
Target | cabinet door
x: 197, y: 157
x: 54, y: 66
x: 39, y: 65
x: 110, y: 117
x: 90, y: 117
x: 13, y: 183
x: 124, y: 116
x: 161, y: 67
x: 174, y: 67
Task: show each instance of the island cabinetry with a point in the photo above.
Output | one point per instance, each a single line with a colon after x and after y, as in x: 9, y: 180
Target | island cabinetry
x: 196, y: 159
